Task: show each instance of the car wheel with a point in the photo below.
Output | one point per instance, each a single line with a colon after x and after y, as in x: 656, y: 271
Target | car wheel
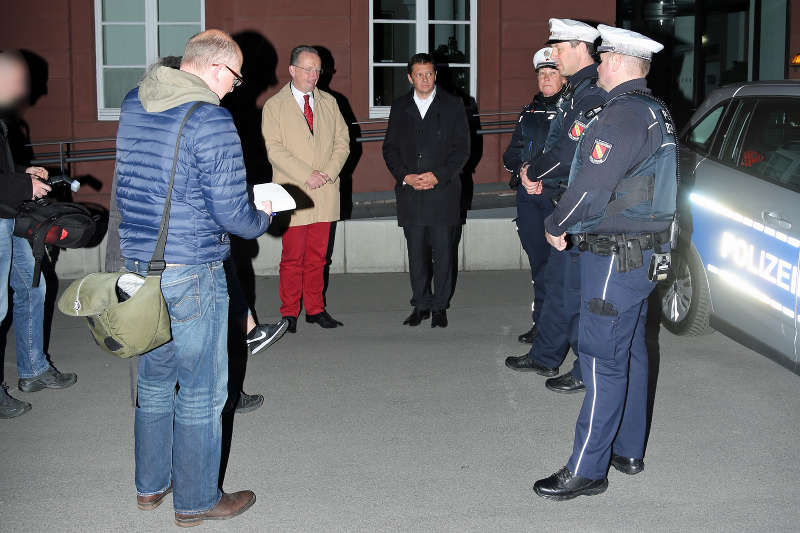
x: 685, y: 302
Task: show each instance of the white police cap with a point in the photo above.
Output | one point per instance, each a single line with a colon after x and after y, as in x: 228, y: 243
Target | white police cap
x: 627, y: 42
x: 543, y: 58
x: 571, y: 30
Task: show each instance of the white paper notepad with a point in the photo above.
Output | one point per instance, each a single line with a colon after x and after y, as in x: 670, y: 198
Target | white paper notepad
x: 277, y: 195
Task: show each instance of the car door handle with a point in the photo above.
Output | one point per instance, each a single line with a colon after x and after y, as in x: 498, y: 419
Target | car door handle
x: 774, y: 219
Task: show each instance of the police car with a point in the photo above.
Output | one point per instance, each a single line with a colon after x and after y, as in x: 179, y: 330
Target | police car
x: 737, y: 266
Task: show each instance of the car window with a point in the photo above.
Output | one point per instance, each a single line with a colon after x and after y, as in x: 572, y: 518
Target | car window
x: 734, y: 133
x: 701, y: 135
x: 770, y: 148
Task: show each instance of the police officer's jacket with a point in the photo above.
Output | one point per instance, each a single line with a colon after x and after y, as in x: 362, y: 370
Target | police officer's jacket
x: 624, y: 175
x: 529, y: 135
x: 579, y: 95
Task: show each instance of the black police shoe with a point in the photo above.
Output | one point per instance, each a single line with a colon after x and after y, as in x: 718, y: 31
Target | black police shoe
x: 416, y: 317
x: 439, y: 319
x: 529, y: 336
x: 324, y: 320
x: 523, y: 363
x: 263, y: 336
x: 563, y: 485
x: 10, y: 407
x: 627, y: 465
x: 49, y: 379
x: 566, y: 384
x: 248, y: 402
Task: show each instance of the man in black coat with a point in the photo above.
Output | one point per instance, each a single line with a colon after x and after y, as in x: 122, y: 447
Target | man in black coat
x: 426, y: 147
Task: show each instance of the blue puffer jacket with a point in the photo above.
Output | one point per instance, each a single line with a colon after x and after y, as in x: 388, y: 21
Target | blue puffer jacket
x: 209, y: 198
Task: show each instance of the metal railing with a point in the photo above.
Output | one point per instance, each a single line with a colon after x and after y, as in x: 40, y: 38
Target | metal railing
x: 65, y: 152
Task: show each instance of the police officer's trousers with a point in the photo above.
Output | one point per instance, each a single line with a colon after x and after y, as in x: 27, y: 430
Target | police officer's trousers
x: 613, y: 357
x: 558, y: 324
x: 532, y: 209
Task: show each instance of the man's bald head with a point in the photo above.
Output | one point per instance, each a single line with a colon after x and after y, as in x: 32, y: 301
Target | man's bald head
x: 209, y: 47
x: 13, y: 78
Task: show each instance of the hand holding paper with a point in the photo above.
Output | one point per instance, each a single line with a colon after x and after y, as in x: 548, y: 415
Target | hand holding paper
x: 276, y: 195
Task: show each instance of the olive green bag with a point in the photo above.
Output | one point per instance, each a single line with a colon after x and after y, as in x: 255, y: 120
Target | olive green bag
x: 126, y: 312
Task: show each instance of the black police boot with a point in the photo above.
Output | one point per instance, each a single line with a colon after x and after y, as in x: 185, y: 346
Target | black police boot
x: 439, y: 319
x: 523, y: 363
x: 566, y: 384
x: 627, y: 465
x: 529, y: 336
x: 416, y: 317
x: 563, y: 485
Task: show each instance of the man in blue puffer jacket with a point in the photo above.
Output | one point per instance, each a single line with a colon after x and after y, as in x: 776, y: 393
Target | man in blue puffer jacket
x: 178, y: 437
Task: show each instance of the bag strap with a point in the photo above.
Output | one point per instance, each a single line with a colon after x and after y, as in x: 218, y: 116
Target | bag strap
x: 157, y: 263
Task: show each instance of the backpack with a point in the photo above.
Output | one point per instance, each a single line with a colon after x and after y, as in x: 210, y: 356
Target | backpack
x: 61, y: 224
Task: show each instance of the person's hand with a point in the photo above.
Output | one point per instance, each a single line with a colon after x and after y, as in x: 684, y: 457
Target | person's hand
x: 427, y: 181
x: 414, y: 181
x: 40, y: 188
x: 531, y: 187
x: 38, y: 172
x: 558, y: 242
x: 266, y: 206
x: 317, y: 180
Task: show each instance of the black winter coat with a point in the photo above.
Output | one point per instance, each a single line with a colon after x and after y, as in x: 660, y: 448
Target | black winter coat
x: 440, y: 143
x: 15, y: 184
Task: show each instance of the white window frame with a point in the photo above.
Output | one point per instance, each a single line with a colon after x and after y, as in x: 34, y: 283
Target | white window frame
x: 422, y: 23
x: 151, y: 25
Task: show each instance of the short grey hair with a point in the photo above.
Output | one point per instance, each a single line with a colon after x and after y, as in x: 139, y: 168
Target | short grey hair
x: 208, y: 47
x: 297, y: 50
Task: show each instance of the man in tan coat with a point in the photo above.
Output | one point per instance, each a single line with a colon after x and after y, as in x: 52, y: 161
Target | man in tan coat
x: 307, y: 145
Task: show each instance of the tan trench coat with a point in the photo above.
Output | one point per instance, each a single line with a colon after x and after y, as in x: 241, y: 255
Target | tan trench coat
x: 295, y: 152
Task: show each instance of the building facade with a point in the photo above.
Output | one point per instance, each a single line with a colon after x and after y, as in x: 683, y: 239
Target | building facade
x: 90, y: 52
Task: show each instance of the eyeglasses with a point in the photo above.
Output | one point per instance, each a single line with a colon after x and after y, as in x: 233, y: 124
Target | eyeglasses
x: 310, y: 70
x: 424, y: 75
x: 237, y: 78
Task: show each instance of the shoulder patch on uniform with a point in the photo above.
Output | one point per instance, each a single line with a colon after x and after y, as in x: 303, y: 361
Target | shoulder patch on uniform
x: 600, y: 152
x: 576, y: 130
x: 668, y: 121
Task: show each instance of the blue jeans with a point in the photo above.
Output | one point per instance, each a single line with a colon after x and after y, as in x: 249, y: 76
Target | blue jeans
x: 179, y: 436
x: 16, y: 266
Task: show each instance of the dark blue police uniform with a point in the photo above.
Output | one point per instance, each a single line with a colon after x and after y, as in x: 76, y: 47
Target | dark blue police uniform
x: 618, y: 208
x: 558, y: 324
x: 527, y: 142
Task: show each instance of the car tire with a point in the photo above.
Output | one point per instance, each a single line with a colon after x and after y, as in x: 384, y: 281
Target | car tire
x: 684, y: 296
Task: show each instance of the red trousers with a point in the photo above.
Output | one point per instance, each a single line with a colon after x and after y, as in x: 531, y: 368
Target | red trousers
x: 305, y: 250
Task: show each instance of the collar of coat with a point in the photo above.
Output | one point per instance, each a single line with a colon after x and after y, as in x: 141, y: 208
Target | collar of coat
x: 411, y: 105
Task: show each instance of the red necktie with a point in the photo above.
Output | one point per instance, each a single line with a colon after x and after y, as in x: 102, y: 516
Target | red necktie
x: 308, y: 113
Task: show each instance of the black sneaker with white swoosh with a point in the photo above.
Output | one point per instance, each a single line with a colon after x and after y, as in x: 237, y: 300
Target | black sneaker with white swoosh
x: 265, y: 335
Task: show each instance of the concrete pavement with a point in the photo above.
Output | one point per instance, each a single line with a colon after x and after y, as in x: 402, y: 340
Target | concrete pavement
x: 379, y: 427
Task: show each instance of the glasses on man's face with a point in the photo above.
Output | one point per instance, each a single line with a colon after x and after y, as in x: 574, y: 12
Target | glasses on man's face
x: 424, y: 75
x: 237, y: 78
x: 310, y: 70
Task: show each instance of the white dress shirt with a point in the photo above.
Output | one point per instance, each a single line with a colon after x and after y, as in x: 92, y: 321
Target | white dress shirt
x: 424, y: 104
x: 298, y: 96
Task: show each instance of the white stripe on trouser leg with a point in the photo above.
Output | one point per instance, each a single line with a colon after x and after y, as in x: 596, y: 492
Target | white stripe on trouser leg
x: 591, y: 418
x: 608, y: 276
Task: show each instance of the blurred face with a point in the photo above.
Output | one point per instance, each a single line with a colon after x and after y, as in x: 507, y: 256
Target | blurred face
x: 567, y: 57
x: 13, y: 83
x: 423, y: 78
x: 306, y: 71
x: 550, y: 81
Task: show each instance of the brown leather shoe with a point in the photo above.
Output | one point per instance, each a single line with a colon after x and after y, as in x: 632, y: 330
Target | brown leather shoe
x: 229, y: 505
x: 148, y: 503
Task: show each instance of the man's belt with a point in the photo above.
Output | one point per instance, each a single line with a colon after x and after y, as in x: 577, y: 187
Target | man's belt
x: 627, y: 248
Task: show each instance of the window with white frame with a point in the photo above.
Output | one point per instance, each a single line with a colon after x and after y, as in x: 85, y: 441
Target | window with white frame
x: 132, y: 34
x: 398, y: 29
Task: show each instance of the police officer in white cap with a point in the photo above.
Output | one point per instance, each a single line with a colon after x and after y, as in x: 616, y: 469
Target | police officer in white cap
x: 617, y: 210
x: 557, y: 328
x: 527, y: 142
